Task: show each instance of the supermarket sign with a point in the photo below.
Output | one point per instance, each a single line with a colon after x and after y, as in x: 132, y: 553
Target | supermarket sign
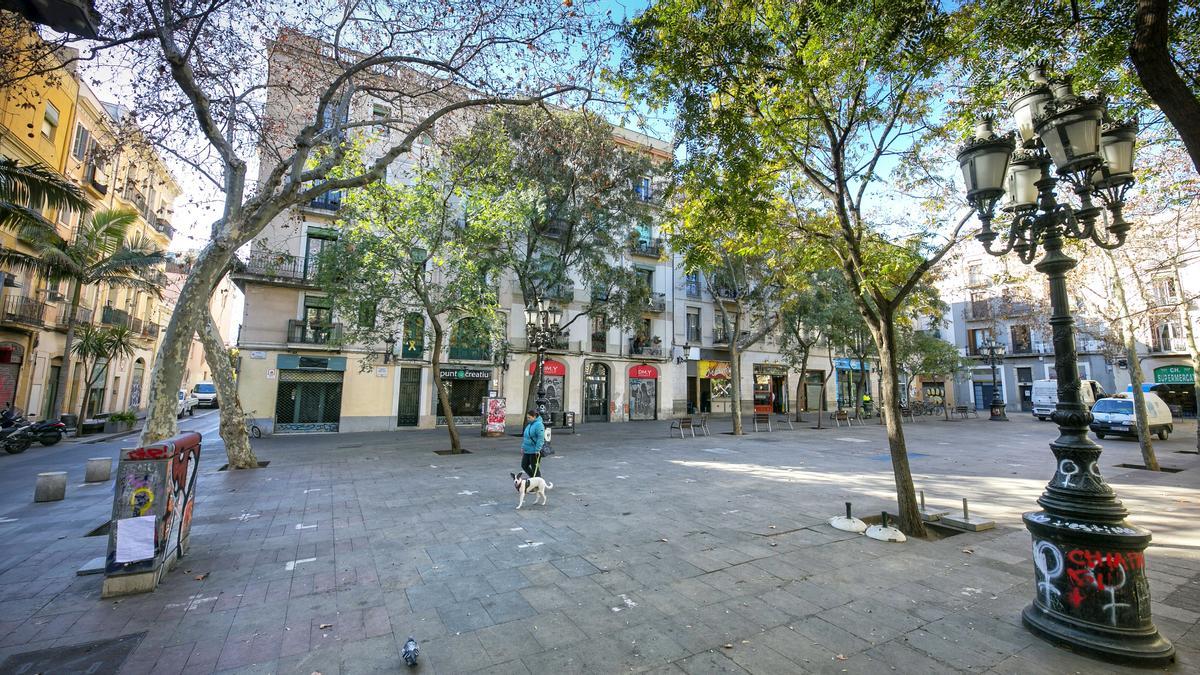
x: 1174, y: 375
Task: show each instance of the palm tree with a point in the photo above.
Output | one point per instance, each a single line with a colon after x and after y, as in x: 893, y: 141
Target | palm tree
x: 100, y: 253
x: 94, y: 344
x: 27, y: 189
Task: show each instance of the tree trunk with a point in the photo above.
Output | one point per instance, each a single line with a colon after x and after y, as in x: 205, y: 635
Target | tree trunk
x: 64, y: 372
x: 233, y: 420
x: 802, y: 389
x: 1139, y: 398
x: 1129, y: 336
x: 735, y: 385
x: 88, y: 383
x: 1189, y: 333
x: 443, y: 398
x: 1152, y: 60
x: 906, y: 496
x: 188, y: 318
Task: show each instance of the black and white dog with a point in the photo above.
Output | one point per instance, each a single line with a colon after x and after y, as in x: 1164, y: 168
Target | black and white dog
x: 530, y: 486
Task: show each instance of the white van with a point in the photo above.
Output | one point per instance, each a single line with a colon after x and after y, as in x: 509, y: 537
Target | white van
x: 1045, y: 396
x: 1115, y: 416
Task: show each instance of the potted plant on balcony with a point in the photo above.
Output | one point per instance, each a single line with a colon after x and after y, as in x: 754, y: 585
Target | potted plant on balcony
x: 119, y: 421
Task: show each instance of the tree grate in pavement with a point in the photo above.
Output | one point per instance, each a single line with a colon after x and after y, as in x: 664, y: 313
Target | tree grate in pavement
x: 261, y: 464
x: 1164, y: 469
x: 101, y: 656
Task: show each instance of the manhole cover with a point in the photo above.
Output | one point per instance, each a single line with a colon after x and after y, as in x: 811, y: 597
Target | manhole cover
x: 101, y: 656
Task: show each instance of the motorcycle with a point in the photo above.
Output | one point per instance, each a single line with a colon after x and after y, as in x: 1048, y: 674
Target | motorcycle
x: 48, y: 432
x: 16, y: 438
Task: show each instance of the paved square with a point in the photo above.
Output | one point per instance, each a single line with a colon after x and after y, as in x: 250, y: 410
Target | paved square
x: 653, y: 554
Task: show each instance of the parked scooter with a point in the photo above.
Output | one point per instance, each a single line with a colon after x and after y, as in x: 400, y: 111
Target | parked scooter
x: 48, y: 432
x: 16, y: 438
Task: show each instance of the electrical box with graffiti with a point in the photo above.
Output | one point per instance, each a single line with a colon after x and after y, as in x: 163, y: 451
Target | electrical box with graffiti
x: 152, y: 513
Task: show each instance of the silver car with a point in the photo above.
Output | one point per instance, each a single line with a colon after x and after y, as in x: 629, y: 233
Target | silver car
x: 206, y: 394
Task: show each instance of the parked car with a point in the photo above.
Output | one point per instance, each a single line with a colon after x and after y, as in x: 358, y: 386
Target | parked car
x: 187, y: 404
x: 206, y: 393
x: 1115, y: 415
x: 1045, y: 396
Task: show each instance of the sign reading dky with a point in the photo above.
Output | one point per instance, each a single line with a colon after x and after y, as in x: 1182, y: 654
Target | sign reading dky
x: 643, y: 372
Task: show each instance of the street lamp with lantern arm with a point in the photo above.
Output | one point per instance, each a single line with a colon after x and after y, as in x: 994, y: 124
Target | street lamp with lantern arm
x: 994, y: 351
x: 541, y: 327
x: 1091, y: 590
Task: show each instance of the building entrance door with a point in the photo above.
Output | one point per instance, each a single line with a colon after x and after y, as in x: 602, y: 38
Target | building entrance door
x: 595, y: 394
x: 408, y: 409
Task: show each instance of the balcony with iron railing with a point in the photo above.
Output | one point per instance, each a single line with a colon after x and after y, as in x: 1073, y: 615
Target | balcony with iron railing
x: 111, y: 316
x: 150, y: 330
x: 657, y: 303
x: 83, y: 314
x: 648, y: 248
x: 330, y: 201
x: 600, y: 342
x: 135, y: 325
x: 724, y: 292
x: 463, y: 353
x: 279, y: 267
x: 303, y: 332
x: 643, y: 347
x: 23, y: 310
x: 1168, y: 344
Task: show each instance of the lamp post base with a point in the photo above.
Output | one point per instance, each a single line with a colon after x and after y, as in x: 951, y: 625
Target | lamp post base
x: 1091, y: 592
x: 1139, y: 649
x: 998, y: 413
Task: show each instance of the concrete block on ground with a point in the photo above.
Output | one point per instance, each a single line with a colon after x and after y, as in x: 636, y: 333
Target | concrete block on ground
x: 99, y: 470
x: 51, y: 486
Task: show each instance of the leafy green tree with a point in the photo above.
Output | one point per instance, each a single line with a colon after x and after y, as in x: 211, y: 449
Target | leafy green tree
x: 416, y: 248
x: 101, y: 252
x: 810, y: 319
x: 574, y: 202
x: 828, y: 101
x: 1142, y: 53
x: 919, y: 352
x: 709, y: 220
x: 96, y: 348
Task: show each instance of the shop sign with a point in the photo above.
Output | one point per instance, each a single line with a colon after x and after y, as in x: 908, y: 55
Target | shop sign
x: 1174, y: 375
x: 851, y: 364
x: 770, y: 369
x: 643, y: 372
x: 258, y: 355
x: 553, y: 368
x: 466, y: 374
x: 713, y: 370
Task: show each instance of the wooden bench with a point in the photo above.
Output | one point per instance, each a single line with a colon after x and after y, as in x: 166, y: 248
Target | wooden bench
x: 762, y: 418
x: 703, y: 423
x: 681, y: 424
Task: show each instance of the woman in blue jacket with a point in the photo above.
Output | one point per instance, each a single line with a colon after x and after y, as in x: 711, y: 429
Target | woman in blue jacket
x: 532, y: 441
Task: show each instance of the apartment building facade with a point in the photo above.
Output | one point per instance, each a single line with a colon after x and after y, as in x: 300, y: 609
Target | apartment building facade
x: 1001, y: 299
x: 61, y: 123
x: 297, y: 375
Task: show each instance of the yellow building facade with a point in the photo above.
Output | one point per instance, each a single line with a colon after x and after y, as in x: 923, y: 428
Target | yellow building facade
x: 59, y: 121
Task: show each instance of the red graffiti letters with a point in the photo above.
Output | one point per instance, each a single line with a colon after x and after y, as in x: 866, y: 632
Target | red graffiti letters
x: 1099, y: 570
x: 152, y: 452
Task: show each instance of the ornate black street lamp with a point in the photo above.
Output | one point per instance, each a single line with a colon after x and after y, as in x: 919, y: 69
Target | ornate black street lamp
x: 541, y: 328
x: 1091, y: 590
x: 993, y: 351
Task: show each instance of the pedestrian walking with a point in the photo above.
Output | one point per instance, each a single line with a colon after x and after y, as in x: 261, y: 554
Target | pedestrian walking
x: 532, y: 440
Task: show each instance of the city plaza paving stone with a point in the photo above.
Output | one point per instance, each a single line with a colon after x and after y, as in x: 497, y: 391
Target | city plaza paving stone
x: 653, y: 554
